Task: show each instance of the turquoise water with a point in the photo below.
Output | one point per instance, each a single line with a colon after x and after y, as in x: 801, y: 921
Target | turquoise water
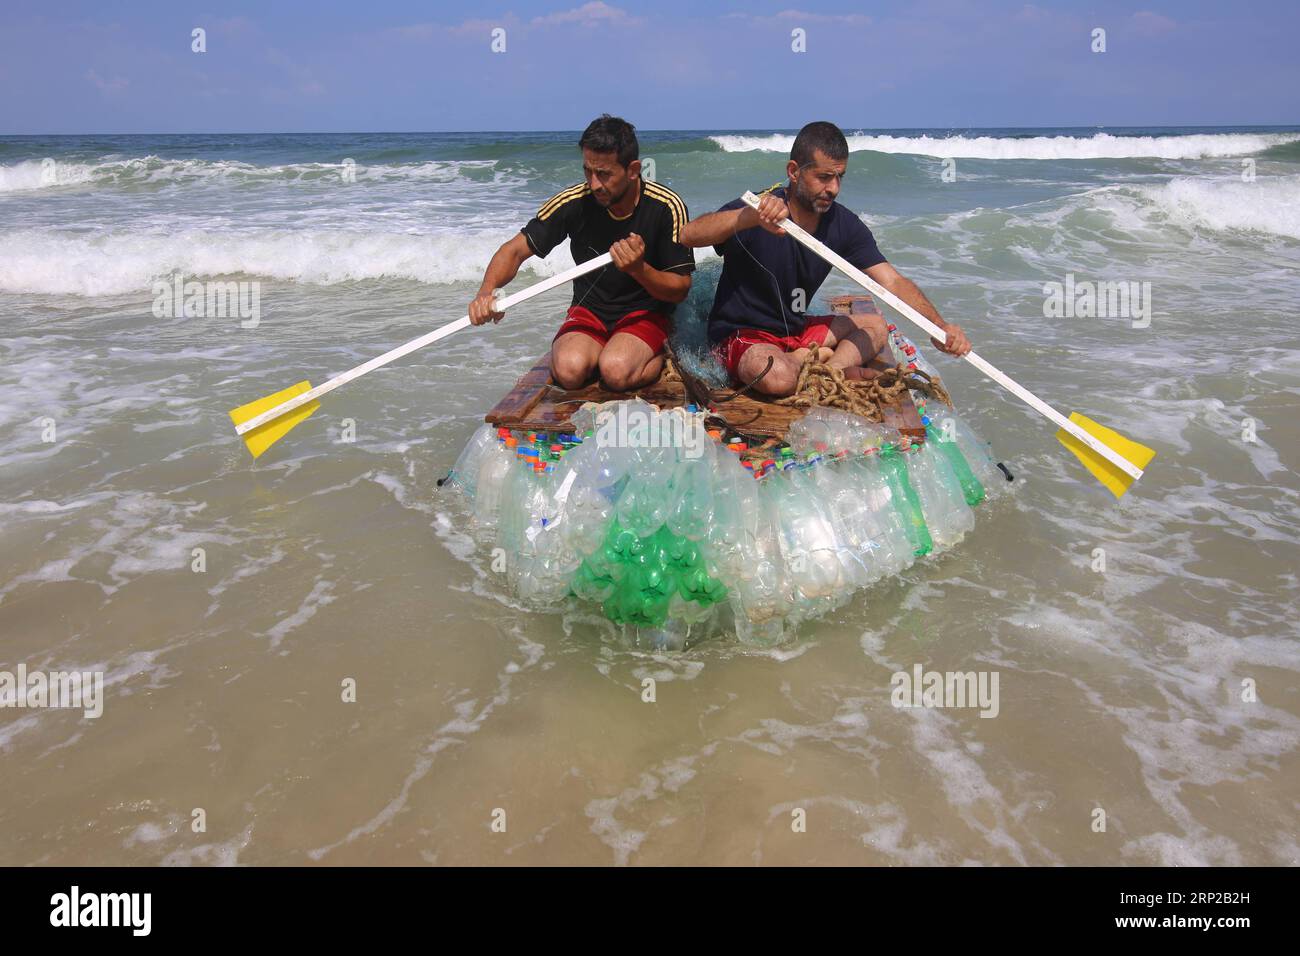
x: 331, y: 558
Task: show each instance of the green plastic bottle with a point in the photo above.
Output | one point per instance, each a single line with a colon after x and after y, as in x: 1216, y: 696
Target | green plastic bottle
x: 970, y: 485
x: 905, y: 500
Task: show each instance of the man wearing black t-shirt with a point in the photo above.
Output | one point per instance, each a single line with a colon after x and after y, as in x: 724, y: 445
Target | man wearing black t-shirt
x: 620, y: 316
x: 768, y: 278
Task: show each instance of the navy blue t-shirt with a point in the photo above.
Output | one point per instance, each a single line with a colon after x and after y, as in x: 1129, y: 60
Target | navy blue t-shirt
x: 761, y: 271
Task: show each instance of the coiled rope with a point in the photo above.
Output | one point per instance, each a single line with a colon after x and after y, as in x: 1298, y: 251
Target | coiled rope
x: 825, y: 385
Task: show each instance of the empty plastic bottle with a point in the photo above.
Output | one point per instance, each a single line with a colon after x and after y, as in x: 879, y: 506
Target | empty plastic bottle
x: 946, y: 513
x: 977, y: 453
x: 904, y: 499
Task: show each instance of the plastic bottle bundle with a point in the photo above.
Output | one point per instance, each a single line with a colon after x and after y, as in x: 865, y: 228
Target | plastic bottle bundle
x: 642, y: 580
x: 949, y: 429
x: 649, y: 567
x: 662, y: 533
x: 946, y: 513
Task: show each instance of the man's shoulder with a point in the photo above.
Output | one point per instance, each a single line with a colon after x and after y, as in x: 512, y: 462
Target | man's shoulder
x: 672, y: 206
x: 565, y: 199
x: 660, y: 194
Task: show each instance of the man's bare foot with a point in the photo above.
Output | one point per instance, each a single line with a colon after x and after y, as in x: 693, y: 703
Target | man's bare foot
x: 858, y: 373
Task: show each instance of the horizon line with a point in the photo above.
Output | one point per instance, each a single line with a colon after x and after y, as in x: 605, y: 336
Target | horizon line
x: 1292, y: 127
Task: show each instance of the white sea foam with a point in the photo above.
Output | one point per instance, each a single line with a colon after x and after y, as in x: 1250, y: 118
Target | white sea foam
x: 321, y: 594
x: 31, y: 174
x: 1269, y: 204
x: 1097, y: 146
x: 116, y: 263
x: 53, y: 174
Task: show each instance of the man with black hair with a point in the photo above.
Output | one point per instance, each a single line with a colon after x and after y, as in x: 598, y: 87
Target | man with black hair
x: 620, y: 317
x: 768, y: 279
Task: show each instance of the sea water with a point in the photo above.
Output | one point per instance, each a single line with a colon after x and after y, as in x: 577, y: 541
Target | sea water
x: 1146, y: 648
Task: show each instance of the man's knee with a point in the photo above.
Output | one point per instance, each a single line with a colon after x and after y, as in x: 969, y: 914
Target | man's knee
x: 875, y: 327
x: 570, y: 368
x: 620, y: 373
x: 780, y: 380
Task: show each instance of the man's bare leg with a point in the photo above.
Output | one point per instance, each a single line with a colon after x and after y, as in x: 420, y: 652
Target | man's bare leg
x: 856, y: 339
x: 783, y: 378
x: 627, y: 363
x: 574, y: 356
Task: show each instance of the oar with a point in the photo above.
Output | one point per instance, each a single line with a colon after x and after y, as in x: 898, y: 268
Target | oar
x: 264, y: 422
x: 1114, y: 460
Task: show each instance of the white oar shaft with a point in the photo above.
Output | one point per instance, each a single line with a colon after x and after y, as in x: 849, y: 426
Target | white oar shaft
x: 875, y: 288
x: 546, y: 285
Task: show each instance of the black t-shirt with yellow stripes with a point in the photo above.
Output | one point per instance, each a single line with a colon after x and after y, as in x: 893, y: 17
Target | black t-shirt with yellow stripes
x: 610, y: 293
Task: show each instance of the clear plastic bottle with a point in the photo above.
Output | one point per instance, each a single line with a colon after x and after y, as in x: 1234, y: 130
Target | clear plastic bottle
x: 841, y: 485
x: 464, y: 473
x: 492, y: 472
x: 647, y: 499
x: 978, y: 455
x: 692, y: 490
x: 946, y: 513
x: 893, y: 547
x: 912, y: 355
x: 809, y: 546
x: 732, y: 536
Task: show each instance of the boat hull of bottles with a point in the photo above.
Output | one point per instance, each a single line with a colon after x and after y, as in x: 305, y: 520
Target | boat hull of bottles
x: 673, y: 537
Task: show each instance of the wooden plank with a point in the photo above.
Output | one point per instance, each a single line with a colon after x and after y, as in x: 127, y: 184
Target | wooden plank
x: 860, y: 304
x: 519, y: 401
x: 548, y: 410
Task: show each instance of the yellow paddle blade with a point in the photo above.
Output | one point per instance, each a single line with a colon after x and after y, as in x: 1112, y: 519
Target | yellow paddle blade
x: 264, y: 436
x: 1114, y: 478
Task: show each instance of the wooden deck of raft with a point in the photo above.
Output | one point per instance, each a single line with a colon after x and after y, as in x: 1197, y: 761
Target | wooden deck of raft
x: 531, y: 405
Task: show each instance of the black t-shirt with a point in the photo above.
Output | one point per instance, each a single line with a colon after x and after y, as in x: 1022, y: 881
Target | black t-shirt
x: 761, y: 271
x: 609, y: 292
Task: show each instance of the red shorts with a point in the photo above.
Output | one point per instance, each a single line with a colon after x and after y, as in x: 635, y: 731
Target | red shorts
x: 729, y: 352
x: 650, y: 327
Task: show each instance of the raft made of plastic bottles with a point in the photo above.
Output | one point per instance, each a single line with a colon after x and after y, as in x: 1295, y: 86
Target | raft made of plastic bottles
x: 675, y: 540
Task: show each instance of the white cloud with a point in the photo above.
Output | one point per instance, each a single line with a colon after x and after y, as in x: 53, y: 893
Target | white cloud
x: 590, y: 14
x: 797, y: 17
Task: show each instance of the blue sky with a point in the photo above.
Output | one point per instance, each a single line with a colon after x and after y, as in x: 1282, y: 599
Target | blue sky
x: 349, y: 66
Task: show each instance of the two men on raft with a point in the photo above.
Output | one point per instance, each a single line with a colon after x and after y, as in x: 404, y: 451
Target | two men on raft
x: 620, y: 319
